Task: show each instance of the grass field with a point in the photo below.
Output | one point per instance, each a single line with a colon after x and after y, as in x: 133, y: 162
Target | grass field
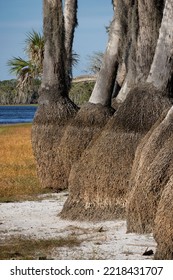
x: 18, y: 182
x: 18, y: 178
x: 30, y: 249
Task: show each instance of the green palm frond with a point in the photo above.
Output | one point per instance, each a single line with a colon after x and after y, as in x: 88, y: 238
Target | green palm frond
x: 24, y: 70
x: 35, y: 47
x: 18, y: 65
x: 34, y: 41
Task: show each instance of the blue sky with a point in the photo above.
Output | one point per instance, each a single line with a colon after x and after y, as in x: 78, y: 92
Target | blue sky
x: 18, y: 17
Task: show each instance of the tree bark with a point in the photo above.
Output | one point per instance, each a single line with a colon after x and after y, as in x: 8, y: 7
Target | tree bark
x: 129, y: 21
x: 103, y: 88
x: 54, y: 74
x: 149, y: 20
x: 144, y: 20
x: 70, y: 22
x: 161, y: 72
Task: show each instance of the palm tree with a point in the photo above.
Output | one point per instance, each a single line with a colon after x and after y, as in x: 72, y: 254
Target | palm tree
x: 150, y: 206
x: 35, y: 50
x: 29, y: 70
x: 55, y: 108
x: 24, y: 71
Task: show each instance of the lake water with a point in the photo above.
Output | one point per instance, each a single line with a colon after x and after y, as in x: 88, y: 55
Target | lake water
x: 17, y: 114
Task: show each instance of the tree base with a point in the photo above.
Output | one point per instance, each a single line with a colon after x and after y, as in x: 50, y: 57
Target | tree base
x: 163, y: 229
x: 103, y: 171
x: 47, y: 130
x: 85, y: 211
x: 86, y: 126
x: 152, y: 168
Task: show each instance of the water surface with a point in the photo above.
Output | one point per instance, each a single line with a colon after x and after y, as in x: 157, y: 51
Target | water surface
x: 17, y: 114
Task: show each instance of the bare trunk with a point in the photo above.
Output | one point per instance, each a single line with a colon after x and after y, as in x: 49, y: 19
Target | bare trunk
x: 54, y: 55
x: 130, y: 24
x: 161, y: 73
x: 70, y: 22
x: 150, y: 16
x: 103, y: 88
x: 144, y: 20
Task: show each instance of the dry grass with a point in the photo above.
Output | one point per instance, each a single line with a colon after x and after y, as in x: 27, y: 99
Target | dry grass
x: 18, y: 178
x: 23, y: 248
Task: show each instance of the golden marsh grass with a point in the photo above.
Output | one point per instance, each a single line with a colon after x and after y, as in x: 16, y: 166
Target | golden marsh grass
x: 18, y: 178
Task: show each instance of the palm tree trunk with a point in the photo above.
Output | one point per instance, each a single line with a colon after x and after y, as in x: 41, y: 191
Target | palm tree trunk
x: 144, y: 20
x: 54, y: 75
x: 99, y: 180
x: 103, y: 88
x: 152, y: 166
x: 70, y: 22
x: 88, y: 122
x: 150, y: 16
x: 161, y: 75
x: 55, y: 109
x: 161, y: 72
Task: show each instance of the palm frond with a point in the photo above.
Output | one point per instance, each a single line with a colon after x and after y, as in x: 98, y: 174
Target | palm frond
x: 18, y: 64
x: 35, y: 46
x: 24, y: 70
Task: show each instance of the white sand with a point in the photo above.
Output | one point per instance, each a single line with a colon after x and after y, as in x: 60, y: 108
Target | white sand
x: 101, y: 240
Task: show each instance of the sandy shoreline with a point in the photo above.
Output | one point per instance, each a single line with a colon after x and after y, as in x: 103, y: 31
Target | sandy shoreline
x: 101, y: 240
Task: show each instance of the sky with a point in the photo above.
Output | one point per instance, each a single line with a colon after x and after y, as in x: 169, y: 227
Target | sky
x: 18, y: 17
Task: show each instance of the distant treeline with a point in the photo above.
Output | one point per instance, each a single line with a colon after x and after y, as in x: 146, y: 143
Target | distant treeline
x: 10, y: 93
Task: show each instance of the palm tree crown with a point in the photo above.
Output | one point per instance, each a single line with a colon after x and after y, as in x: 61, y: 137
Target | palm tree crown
x: 35, y: 50
x: 29, y: 70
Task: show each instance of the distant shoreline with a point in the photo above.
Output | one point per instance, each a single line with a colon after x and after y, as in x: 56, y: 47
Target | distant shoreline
x: 10, y: 105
